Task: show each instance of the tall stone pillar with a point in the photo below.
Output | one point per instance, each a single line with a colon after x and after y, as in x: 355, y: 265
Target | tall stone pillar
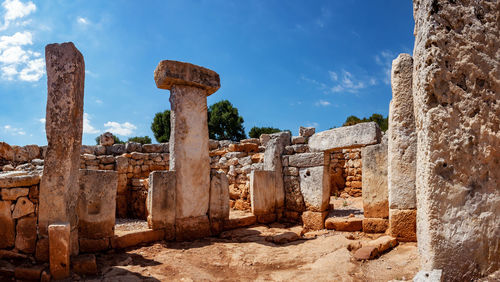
x: 402, y: 152
x: 64, y: 123
x: 456, y: 91
x: 189, y: 87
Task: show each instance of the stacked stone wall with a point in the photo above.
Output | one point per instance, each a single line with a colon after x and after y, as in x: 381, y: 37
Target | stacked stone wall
x: 346, y: 173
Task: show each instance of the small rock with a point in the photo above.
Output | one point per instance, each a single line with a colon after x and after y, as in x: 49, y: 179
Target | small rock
x: 366, y: 253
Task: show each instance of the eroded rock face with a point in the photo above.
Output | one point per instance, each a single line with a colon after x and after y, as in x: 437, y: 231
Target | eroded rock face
x: 106, y: 139
x: 354, y: 136
x: 64, y: 124
x: 402, y: 137
x: 456, y: 90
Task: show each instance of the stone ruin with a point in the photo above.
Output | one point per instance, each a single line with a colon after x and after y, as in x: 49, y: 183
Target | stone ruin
x: 433, y: 178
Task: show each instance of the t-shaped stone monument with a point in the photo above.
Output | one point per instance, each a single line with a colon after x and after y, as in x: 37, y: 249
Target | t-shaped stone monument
x: 189, y: 87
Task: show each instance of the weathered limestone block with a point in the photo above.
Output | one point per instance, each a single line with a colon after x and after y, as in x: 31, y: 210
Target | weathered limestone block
x: 106, y: 139
x: 161, y: 201
x: 354, y: 136
x: 26, y: 234
x: 11, y: 194
x: 6, y: 152
x: 262, y: 192
x: 23, y: 207
x: 218, y: 211
x: 307, y: 160
x: 18, y: 179
x: 272, y: 162
x: 64, y: 124
x: 315, y: 187
x: 170, y: 73
x: 375, y: 225
x: 97, y: 203
x: 7, y: 232
x: 314, y: 220
x: 375, y: 198
x: 191, y: 228
x: 306, y: 131
x: 350, y: 224
x: 403, y: 224
x: 456, y: 91
x: 294, y: 201
x: 59, y: 250
x: 402, y: 137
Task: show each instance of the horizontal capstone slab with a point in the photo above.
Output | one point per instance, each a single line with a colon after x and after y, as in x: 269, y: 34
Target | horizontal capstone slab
x: 169, y: 73
x: 355, y: 136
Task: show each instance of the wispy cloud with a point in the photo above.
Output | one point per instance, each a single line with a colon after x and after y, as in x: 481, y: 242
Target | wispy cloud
x: 87, y: 127
x: 322, y: 103
x: 82, y: 21
x: 323, y: 18
x: 99, y: 101
x: 14, y: 131
x: 347, y: 82
x: 42, y: 120
x: 15, y: 9
x: 312, y: 124
x: 17, y: 62
x: 125, y: 129
x: 384, y: 59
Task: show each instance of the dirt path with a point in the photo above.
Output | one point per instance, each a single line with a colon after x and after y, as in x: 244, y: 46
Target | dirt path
x: 248, y: 255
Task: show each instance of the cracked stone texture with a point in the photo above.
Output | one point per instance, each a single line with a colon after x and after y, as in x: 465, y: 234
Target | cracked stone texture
x: 64, y: 124
x: 402, y: 137
x: 354, y: 136
x: 456, y: 90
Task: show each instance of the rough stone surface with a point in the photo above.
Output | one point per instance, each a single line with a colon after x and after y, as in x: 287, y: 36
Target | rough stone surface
x: 307, y: 160
x: 7, y: 232
x: 435, y: 275
x: 189, y: 150
x: 375, y: 225
x: 262, y: 192
x: 18, y: 179
x: 314, y: 220
x: 456, y: 90
x: 315, y: 187
x: 13, y: 193
x: 354, y: 136
x: 161, y: 200
x: 350, y: 224
x: 97, y: 203
x: 365, y: 253
x: 402, y: 137
x: 403, y: 224
x: 218, y: 211
x: 93, y: 245
x: 64, y: 125
x: 23, y: 207
x: 375, y: 194
x: 59, y: 250
x: 169, y: 73
x: 306, y: 131
x: 26, y: 234
x: 191, y: 228
x: 106, y: 139
x: 84, y: 264
x: 294, y: 201
x: 272, y: 162
x: 134, y: 238
x: 6, y: 152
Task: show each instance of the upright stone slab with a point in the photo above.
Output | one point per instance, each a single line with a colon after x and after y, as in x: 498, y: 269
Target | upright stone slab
x: 315, y: 187
x: 272, y: 162
x: 402, y: 152
x: 59, y: 250
x: 161, y: 202
x: 456, y: 91
x: 402, y: 137
x: 189, y: 87
x: 97, y: 203
x: 64, y: 124
x: 354, y: 136
x: 262, y: 192
x: 375, y: 198
x: 7, y: 232
x: 218, y: 211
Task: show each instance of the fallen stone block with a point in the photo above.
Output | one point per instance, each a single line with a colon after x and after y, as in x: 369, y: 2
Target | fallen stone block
x: 283, y: 238
x: 403, y: 225
x: 354, y: 136
x: 366, y: 253
x: 349, y: 224
x: 84, y: 264
x: 133, y: 238
x: 59, y: 250
x: 375, y: 225
x: 314, y: 220
x: 382, y: 244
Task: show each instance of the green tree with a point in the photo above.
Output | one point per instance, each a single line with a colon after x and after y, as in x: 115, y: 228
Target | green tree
x: 117, y: 140
x: 256, y: 132
x: 161, y: 126
x: 382, y: 122
x: 140, y: 139
x: 224, y: 122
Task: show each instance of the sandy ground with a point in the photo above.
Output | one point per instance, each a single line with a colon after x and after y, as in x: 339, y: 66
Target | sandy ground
x: 247, y: 254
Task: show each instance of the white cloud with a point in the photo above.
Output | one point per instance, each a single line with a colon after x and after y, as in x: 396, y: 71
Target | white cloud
x: 42, y: 120
x: 87, y: 127
x: 99, y: 101
x: 14, y: 131
x: 17, y: 61
x: 312, y: 124
x: 348, y: 83
x: 15, y: 9
x: 83, y: 21
x: 322, y: 103
x: 333, y: 75
x: 124, y: 129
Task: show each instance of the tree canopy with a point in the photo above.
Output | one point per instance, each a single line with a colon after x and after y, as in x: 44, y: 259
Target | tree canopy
x: 140, y: 139
x: 382, y: 122
x: 161, y: 126
x: 256, y: 132
x: 224, y: 122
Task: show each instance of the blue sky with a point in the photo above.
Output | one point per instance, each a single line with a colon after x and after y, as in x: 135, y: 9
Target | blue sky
x: 282, y: 63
